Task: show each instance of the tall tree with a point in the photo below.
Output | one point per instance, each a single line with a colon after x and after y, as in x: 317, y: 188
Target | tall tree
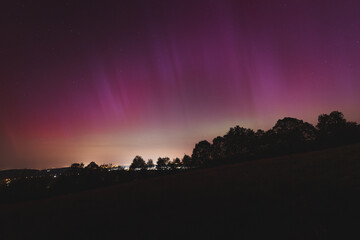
x: 239, y: 143
x: 201, y: 154
x: 218, y: 150
x: 138, y: 163
x: 335, y: 130
x: 187, y: 161
x: 291, y: 135
x: 162, y: 163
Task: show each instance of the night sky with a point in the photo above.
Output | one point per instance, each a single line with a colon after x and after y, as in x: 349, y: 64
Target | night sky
x: 94, y: 81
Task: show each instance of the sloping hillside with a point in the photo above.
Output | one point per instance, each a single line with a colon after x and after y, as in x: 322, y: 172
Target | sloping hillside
x: 312, y: 195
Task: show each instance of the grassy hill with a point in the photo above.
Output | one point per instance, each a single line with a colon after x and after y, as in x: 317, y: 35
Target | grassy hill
x: 313, y: 195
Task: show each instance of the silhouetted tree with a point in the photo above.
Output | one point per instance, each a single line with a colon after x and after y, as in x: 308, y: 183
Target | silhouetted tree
x: 335, y: 130
x: 150, y: 164
x: 262, y: 143
x: 239, y: 143
x: 218, y: 150
x: 332, y: 122
x: 187, y: 161
x: 201, y: 154
x: 162, y: 163
x: 93, y: 166
x: 291, y: 135
x: 77, y: 165
x: 138, y: 163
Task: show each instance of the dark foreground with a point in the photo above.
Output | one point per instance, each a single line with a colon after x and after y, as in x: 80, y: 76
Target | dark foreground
x: 302, y: 196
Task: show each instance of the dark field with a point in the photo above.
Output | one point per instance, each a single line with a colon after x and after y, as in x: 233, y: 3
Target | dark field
x: 312, y: 195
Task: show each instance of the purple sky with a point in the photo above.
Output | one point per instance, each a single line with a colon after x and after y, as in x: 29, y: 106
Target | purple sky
x: 90, y: 81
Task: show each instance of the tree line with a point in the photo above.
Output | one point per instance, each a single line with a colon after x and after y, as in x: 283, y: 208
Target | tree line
x: 289, y: 135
